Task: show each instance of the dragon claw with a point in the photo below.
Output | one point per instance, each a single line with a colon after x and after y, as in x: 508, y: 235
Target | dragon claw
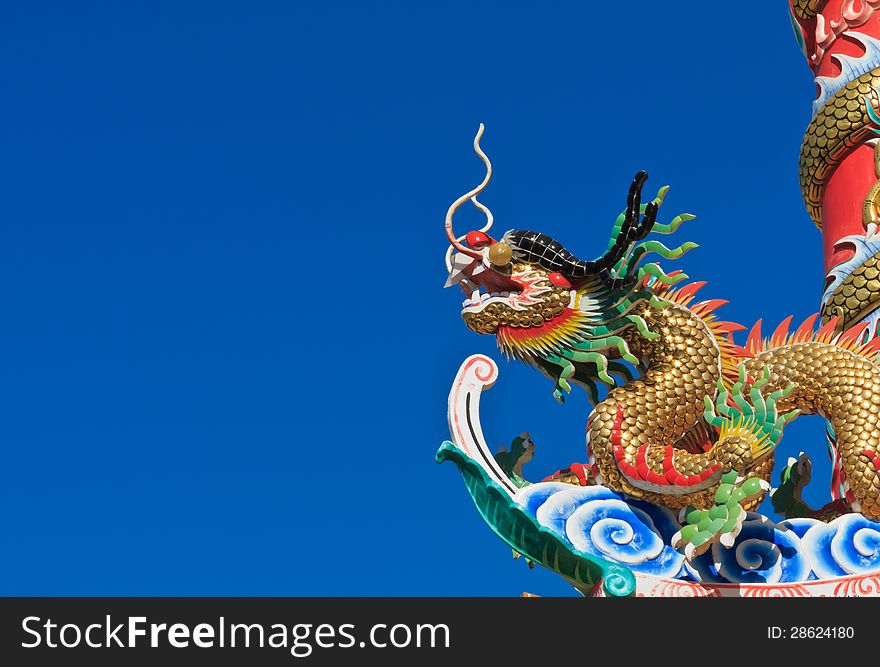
x: 562, y: 387
x: 721, y: 523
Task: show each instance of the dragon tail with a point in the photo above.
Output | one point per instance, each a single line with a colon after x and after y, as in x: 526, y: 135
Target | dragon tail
x: 836, y: 375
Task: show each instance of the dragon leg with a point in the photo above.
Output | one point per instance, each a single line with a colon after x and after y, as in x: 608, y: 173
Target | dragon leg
x: 758, y: 425
x: 748, y: 433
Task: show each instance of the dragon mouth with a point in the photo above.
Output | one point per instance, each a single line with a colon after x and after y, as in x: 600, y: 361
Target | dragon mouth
x: 521, y: 294
x: 483, y: 285
x: 487, y: 288
x: 478, y: 300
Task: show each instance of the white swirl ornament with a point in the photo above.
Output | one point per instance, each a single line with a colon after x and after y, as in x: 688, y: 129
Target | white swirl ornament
x: 849, y: 544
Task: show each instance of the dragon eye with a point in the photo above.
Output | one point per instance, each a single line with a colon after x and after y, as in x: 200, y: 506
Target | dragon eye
x: 477, y: 240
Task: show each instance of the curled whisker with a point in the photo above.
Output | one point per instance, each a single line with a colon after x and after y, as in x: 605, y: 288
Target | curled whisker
x: 455, y: 241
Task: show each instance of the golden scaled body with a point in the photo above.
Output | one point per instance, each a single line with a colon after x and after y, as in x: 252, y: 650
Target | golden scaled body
x: 684, y: 366
x: 857, y: 295
x: 841, y: 124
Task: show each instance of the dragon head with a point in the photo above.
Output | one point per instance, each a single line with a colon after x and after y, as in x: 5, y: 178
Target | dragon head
x: 517, y: 295
x: 540, y: 300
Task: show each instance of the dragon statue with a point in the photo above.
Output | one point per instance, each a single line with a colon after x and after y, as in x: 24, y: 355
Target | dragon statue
x: 690, y: 419
x: 685, y: 423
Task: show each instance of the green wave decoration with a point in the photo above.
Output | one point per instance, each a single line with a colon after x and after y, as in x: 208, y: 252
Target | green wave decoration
x: 524, y: 534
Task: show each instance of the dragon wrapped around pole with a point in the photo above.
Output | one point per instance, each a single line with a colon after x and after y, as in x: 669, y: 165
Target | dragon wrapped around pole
x: 685, y: 419
x: 839, y: 164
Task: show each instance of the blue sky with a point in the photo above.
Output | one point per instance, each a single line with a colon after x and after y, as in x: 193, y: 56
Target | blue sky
x: 227, y: 346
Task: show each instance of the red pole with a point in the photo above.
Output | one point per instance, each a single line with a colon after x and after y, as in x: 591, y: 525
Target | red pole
x: 839, y: 163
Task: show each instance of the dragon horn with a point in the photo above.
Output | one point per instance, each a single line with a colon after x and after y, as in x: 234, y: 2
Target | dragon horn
x: 632, y: 229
